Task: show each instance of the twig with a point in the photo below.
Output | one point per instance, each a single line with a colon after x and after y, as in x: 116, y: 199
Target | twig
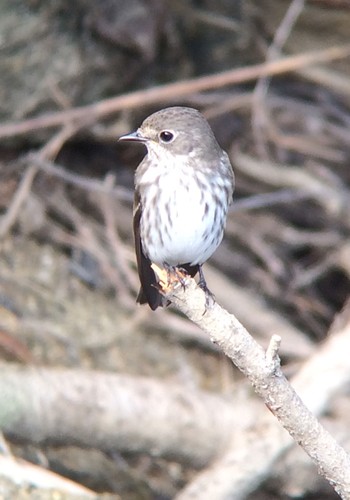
x: 86, y: 239
x: 210, y: 18
x: 5, y: 450
x: 80, y: 181
x: 282, y: 196
x: 48, y: 151
x: 260, y: 113
x: 334, y: 198
x: 173, y: 91
x: 118, y: 247
x: 24, y: 473
x: 10, y: 217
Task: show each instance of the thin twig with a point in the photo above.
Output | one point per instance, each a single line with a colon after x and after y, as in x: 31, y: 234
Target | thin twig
x: 260, y: 113
x: 51, y: 149
x: 118, y: 247
x: 21, y: 194
x: 48, y: 151
x: 83, y: 182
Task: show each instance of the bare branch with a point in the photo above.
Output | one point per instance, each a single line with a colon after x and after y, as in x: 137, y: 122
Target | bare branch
x: 172, y: 91
x: 114, y: 412
x: 22, y: 472
x: 279, y: 396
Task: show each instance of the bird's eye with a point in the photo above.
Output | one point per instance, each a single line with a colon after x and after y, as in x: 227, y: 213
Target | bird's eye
x: 166, y: 136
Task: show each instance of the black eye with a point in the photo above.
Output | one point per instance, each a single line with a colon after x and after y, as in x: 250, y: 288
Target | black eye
x: 166, y: 136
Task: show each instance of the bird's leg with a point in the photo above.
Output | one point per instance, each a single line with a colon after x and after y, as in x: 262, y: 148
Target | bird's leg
x: 209, y: 296
x: 169, y: 269
x: 175, y: 271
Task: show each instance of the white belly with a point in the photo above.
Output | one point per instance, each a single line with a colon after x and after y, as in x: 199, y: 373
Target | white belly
x: 193, y: 226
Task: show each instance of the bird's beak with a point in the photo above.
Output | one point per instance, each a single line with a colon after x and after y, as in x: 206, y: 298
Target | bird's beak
x: 133, y: 136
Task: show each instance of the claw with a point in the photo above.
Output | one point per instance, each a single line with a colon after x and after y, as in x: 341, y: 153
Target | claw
x: 178, y: 272
x: 209, y: 296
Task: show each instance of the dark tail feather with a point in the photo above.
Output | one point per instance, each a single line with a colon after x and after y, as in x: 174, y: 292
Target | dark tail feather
x: 153, y: 298
x: 149, y: 293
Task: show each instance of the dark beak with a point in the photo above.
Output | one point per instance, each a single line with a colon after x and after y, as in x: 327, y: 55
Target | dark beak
x: 134, y: 136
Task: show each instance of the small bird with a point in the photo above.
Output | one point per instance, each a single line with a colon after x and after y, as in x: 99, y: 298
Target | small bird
x: 183, y: 188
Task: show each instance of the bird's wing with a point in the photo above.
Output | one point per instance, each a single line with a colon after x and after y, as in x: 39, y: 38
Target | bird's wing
x: 149, y: 284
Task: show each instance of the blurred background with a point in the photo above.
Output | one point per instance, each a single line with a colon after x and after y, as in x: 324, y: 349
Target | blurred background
x: 126, y: 402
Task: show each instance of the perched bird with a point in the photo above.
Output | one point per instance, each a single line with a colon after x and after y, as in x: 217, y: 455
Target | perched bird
x: 183, y: 188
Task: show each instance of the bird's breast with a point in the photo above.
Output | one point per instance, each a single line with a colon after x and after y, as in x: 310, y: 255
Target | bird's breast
x: 183, y: 214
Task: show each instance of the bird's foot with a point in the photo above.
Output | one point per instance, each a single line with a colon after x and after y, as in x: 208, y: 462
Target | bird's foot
x: 209, y: 296
x: 175, y: 273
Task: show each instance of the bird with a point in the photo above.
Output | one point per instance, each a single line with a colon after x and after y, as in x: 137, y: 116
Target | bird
x: 183, y: 188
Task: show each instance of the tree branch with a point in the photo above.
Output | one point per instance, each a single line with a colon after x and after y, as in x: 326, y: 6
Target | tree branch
x: 264, y: 373
x: 114, y: 412
x: 86, y: 115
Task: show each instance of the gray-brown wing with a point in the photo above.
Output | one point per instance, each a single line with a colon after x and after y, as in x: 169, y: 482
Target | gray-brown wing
x: 149, y: 286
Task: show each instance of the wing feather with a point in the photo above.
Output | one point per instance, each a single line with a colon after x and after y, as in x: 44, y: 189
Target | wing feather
x: 149, y: 286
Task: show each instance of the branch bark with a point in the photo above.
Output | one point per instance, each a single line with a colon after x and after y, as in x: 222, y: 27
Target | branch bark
x: 264, y: 372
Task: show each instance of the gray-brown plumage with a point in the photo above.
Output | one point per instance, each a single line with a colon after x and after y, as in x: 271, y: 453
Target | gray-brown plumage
x: 183, y: 188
